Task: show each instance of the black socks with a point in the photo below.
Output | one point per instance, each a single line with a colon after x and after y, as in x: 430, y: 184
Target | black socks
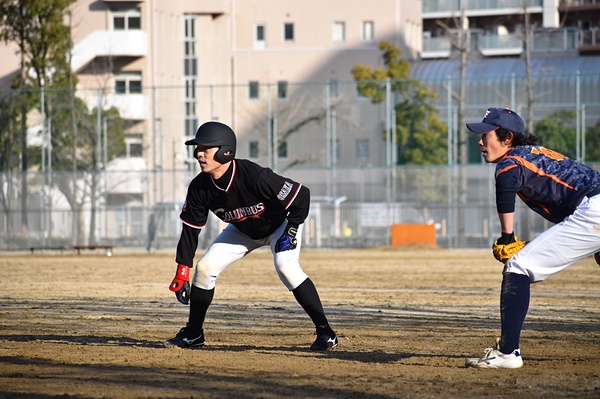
x: 200, y: 300
x: 307, y: 296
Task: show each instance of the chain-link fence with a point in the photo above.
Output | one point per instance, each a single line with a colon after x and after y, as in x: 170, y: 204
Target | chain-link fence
x: 133, y: 167
x: 359, y: 215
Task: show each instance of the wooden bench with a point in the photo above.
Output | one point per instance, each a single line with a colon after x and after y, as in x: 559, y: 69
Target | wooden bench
x: 48, y: 248
x: 79, y: 248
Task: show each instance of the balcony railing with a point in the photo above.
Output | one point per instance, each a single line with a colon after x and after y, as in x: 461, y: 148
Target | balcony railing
x: 567, y: 39
x: 441, y: 6
x: 579, y: 3
x: 492, y: 45
x: 555, y: 40
x: 436, y: 47
x: 110, y: 43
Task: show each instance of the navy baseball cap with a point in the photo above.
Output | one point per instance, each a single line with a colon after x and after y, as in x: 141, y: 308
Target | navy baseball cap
x: 495, y: 118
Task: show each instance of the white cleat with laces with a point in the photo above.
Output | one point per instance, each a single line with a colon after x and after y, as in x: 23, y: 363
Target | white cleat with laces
x: 494, y: 359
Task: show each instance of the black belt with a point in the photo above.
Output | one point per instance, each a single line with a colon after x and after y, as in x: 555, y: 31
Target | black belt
x: 594, y: 192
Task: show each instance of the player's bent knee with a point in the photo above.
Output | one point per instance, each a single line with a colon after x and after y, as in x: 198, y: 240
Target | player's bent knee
x: 203, y: 278
x: 291, y: 277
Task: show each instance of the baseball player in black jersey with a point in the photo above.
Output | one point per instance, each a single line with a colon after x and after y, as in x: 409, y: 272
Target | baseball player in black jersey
x: 261, y: 208
x: 563, y: 191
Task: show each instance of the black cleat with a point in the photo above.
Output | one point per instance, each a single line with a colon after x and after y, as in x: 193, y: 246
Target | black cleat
x: 326, y: 339
x: 186, y: 338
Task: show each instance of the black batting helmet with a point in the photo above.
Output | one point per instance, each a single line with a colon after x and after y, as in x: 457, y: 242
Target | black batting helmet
x: 216, y: 134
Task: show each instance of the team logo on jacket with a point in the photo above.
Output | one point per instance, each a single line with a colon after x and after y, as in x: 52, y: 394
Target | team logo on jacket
x: 285, y: 190
x: 240, y: 214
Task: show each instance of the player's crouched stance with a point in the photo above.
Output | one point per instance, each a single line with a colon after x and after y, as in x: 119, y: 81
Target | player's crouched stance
x: 563, y: 191
x: 262, y: 208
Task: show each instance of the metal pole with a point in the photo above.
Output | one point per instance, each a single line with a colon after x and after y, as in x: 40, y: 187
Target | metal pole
x: 394, y: 155
x: 105, y: 162
x: 160, y: 158
x: 513, y: 90
x: 334, y: 151
x: 388, y: 125
x: 388, y: 141
x: 43, y: 134
x: 328, y: 123
x: 578, y: 115
x: 98, y: 130
x: 269, y: 127
x: 449, y: 117
x: 46, y: 215
x: 154, y: 149
x: 50, y: 176
x: 174, y: 171
x: 105, y: 131
x: 583, y: 133
x: 275, y: 145
x: 328, y: 157
x: 50, y: 151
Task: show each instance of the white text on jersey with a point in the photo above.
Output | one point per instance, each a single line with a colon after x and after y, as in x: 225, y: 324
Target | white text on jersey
x: 237, y: 215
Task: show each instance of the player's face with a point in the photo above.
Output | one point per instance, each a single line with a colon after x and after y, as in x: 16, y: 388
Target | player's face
x: 491, y: 148
x: 206, y: 159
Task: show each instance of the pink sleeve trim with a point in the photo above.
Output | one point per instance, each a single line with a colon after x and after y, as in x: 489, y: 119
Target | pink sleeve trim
x: 195, y: 226
x: 293, y: 196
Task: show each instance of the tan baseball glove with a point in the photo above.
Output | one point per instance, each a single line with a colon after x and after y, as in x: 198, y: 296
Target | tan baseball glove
x: 503, y: 252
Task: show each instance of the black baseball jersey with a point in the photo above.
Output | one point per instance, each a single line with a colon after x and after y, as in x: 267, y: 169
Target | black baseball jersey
x: 253, y: 198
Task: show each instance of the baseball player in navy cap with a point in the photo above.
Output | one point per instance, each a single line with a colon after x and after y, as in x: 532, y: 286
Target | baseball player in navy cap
x: 560, y: 189
x: 261, y: 208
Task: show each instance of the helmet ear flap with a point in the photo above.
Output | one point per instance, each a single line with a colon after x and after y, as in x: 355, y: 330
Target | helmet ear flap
x: 222, y: 157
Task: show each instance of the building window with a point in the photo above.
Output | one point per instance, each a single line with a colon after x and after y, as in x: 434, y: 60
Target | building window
x: 282, y: 149
x: 127, y: 19
x: 288, y: 32
x: 253, y: 90
x: 190, y: 62
x: 128, y: 83
x: 191, y: 124
x: 253, y: 149
x: 282, y: 90
x: 368, y: 31
x: 260, y: 41
x: 190, y: 69
x: 339, y: 31
x: 133, y: 146
x: 134, y: 150
x: 362, y: 150
x: 190, y: 88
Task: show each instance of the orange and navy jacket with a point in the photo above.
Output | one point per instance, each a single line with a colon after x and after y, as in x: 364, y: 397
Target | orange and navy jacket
x: 549, y: 183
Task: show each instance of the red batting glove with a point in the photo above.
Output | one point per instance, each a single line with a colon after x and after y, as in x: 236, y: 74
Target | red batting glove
x: 181, y: 284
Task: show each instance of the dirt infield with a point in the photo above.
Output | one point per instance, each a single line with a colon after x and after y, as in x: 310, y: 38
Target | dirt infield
x: 92, y: 326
